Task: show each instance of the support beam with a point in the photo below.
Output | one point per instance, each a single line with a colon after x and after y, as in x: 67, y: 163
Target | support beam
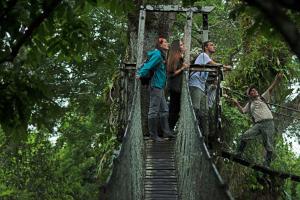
x: 205, y: 27
x: 140, y: 42
x: 187, y: 36
x: 177, y: 8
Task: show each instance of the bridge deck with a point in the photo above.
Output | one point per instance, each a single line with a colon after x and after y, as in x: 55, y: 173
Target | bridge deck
x: 160, y: 177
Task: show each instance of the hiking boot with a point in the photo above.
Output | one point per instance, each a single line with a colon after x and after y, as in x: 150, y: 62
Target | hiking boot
x: 164, y: 124
x: 153, y: 126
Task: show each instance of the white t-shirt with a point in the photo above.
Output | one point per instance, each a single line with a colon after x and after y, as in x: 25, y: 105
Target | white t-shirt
x: 198, y: 79
x: 259, y: 109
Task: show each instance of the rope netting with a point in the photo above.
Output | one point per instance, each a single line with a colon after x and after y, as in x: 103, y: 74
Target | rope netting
x: 126, y: 180
x: 198, y: 177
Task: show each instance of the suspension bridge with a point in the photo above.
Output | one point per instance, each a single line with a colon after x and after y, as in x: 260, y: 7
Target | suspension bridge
x: 180, y: 168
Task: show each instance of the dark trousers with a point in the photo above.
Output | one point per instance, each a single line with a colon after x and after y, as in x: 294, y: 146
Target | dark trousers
x: 174, y: 108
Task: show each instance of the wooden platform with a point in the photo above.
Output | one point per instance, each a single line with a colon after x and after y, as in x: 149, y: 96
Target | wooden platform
x: 160, y: 177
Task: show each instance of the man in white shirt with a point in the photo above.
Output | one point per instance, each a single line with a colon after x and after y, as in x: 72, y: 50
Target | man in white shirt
x: 262, y: 117
x: 197, y: 87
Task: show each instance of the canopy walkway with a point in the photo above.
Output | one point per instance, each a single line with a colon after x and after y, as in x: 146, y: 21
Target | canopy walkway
x: 178, y: 169
x: 181, y: 168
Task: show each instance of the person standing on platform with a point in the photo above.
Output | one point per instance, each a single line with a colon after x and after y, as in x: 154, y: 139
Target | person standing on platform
x: 158, y: 107
x: 175, y: 67
x: 197, y: 83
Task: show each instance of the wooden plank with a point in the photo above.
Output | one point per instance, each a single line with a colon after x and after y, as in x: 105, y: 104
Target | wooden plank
x: 160, y: 172
x: 161, y: 177
x: 160, y: 167
x: 161, y: 187
x: 161, y: 196
x: 163, y: 192
x: 160, y: 159
x: 160, y: 181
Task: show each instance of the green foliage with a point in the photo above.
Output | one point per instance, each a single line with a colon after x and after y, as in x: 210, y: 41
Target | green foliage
x: 58, y: 128
x: 56, y: 139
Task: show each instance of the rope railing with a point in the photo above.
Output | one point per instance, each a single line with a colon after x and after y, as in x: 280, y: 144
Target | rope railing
x: 198, y: 177
x: 126, y: 179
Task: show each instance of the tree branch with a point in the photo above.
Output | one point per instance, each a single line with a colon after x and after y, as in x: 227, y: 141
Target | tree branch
x: 290, y: 4
x: 260, y: 168
x: 280, y: 21
x: 29, y: 32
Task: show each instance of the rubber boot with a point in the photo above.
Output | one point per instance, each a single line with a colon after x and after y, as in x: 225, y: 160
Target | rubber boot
x: 241, y: 148
x: 152, y: 126
x: 164, y: 124
x: 202, y: 122
x: 173, y: 117
x: 268, y: 159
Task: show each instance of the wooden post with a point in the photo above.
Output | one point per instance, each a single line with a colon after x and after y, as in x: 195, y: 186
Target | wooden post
x: 140, y: 42
x: 205, y: 27
x: 187, y: 36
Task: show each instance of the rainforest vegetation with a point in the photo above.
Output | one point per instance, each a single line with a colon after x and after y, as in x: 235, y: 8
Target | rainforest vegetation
x: 60, y: 124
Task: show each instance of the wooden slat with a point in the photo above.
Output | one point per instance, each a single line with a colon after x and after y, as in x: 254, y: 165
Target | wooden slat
x: 160, y: 181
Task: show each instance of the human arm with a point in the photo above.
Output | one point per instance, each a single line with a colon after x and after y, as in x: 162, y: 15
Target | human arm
x: 240, y: 108
x: 178, y: 71
x: 277, y: 79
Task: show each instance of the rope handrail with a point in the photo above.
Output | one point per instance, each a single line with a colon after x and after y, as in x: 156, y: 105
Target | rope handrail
x: 126, y: 178
x: 196, y: 171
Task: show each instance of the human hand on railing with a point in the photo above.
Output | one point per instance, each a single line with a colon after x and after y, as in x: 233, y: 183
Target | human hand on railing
x: 227, y: 67
x: 137, y: 76
x: 185, y: 66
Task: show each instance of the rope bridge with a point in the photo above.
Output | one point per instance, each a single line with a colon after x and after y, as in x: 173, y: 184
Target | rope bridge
x: 194, y: 175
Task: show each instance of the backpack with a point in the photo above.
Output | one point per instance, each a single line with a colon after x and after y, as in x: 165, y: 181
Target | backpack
x: 145, y: 80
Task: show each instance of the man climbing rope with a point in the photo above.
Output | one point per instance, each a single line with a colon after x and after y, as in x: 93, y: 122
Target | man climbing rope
x: 262, y: 119
x: 158, y: 107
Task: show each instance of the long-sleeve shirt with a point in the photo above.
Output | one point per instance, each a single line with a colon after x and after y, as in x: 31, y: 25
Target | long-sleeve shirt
x: 157, y: 64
